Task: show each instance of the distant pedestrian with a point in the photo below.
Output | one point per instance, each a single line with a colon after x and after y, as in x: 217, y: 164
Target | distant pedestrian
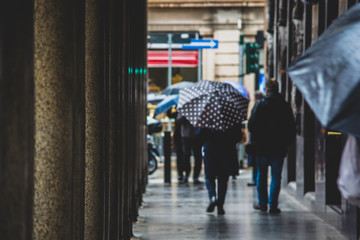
x: 238, y: 147
x: 220, y: 160
x: 272, y: 127
x: 251, y: 155
x: 190, y: 144
x: 179, y: 149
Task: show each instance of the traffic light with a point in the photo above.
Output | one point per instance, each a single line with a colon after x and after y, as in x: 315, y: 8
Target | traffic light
x: 252, y: 57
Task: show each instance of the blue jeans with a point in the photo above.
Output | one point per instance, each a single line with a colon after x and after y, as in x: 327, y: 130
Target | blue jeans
x: 276, y: 164
x: 221, y: 185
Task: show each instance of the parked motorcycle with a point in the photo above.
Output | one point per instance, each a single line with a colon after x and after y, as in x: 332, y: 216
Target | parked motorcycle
x: 154, y: 126
x: 153, y: 155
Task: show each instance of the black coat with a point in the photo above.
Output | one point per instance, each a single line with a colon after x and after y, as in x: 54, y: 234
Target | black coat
x: 220, y: 154
x: 187, y: 130
x: 272, y: 126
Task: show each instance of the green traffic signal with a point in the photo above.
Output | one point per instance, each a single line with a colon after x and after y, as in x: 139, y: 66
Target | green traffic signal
x: 252, y: 57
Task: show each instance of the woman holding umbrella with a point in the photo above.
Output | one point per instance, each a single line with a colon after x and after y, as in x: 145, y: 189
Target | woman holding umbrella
x: 218, y: 109
x: 221, y: 161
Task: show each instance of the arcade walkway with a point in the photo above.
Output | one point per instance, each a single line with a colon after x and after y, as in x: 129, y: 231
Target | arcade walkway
x: 177, y: 211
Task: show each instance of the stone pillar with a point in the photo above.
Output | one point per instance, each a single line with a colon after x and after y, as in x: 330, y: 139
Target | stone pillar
x: 78, y: 123
x: 58, y: 117
x: 51, y: 119
x: 16, y: 119
x: 94, y: 190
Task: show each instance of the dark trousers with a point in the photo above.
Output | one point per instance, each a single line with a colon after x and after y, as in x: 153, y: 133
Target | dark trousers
x: 276, y: 164
x: 188, y: 145
x: 221, y: 188
x: 179, y: 150
x: 252, y: 162
x: 254, y: 173
x: 179, y: 159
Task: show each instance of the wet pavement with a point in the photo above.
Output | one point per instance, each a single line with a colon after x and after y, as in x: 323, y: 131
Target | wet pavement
x: 178, y: 211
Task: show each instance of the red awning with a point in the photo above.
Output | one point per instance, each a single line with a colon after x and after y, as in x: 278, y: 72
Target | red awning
x: 179, y: 58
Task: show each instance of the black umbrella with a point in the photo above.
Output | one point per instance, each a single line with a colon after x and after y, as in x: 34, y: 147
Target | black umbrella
x: 213, y: 105
x: 175, y: 88
x: 328, y: 74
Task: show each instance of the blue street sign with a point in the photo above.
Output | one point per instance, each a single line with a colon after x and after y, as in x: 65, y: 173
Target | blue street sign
x: 201, y: 44
x: 262, y: 82
x: 194, y: 44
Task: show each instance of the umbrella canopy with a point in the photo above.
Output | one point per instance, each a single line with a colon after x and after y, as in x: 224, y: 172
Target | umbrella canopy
x: 155, y: 98
x: 239, y: 87
x: 213, y: 105
x: 328, y: 74
x: 151, y: 120
x: 175, y: 88
x: 166, y: 104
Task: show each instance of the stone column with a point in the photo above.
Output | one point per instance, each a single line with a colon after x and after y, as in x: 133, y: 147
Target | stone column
x: 94, y: 191
x: 16, y: 119
x: 53, y: 74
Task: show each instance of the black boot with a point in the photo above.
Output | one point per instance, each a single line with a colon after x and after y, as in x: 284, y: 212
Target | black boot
x: 221, y: 210
x: 212, y: 205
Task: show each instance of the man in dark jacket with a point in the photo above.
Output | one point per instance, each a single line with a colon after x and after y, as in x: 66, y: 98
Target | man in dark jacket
x: 273, y: 130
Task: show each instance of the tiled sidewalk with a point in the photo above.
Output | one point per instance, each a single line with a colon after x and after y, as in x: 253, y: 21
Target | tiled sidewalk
x: 177, y: 211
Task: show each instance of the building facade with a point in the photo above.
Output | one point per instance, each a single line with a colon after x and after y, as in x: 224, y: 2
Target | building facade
x: 219, y: 19
x: 312, y: 166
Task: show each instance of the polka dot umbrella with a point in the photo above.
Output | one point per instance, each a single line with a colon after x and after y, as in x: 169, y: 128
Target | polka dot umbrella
x: 214, y: 105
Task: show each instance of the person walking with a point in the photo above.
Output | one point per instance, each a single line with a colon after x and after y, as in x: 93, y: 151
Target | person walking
x: 190, y: 143
x: 220, y: 161
x: 273, y: 129
x: 251, y: 155
x: 179, y: 149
